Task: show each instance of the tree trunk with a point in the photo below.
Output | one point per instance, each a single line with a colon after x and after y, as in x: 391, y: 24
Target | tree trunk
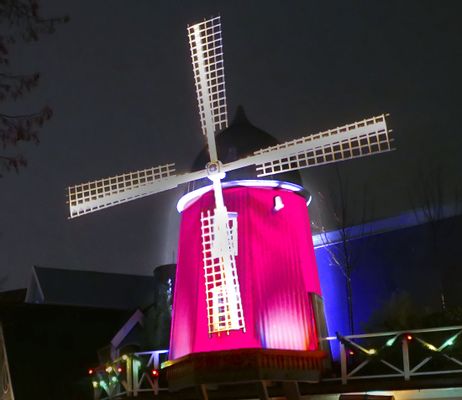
x: 437, y: 264
x: 350, y: 305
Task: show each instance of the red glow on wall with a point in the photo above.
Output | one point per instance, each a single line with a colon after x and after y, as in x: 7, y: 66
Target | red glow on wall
x: 276, y: 268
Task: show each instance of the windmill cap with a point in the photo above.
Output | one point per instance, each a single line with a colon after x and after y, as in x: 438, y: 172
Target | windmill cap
x: 241, y: 139
x: 240, y: 118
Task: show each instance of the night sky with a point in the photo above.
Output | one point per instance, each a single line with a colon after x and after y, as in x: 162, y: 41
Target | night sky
x: 118, y: 77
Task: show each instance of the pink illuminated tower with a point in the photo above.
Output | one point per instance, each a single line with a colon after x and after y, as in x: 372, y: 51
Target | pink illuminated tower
x: 247, y: 295
x: 275, y: 265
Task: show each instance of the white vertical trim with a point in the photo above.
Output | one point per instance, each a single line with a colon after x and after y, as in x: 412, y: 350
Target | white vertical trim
x: 34, y: 279
x: 6, y: 364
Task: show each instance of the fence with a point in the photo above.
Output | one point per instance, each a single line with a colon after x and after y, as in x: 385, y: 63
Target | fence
x: 405, y: 354
x: 129, y: 375
x: 399, y: 354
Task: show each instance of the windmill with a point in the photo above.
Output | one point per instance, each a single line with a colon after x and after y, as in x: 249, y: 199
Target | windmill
x: 222, y: 315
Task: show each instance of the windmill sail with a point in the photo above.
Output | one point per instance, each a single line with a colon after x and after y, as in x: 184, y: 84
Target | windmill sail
x: 209, y: 75
x: 363, y: 138
x: 355, y: 140
x: 93, y: 196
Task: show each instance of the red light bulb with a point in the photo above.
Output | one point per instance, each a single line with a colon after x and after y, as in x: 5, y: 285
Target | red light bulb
x: 155, y: 373
x: 90, y: 371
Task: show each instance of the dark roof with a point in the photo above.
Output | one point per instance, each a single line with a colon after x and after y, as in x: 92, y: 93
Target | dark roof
x: 90, y: 288
x: 13, y: 296
x: 50, y: 348
x: 240, y: 139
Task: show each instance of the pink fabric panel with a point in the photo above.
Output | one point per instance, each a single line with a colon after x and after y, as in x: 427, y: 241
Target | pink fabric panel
x: 276, y: 268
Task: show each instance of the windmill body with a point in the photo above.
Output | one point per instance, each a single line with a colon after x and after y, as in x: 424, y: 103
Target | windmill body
x: 276, y: 270
x: 275, y: 264
x: 246, y: 266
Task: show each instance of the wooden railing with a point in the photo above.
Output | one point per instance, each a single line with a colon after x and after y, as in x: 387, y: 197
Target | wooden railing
x: 399, y: 354
x: 405, y: 354
x: 129, y: 375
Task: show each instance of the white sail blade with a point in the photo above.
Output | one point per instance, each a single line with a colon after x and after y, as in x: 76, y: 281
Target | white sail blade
x: 93, y: 196
x: 207, y: 58
x: 363, y: 138
x: 355, y: 140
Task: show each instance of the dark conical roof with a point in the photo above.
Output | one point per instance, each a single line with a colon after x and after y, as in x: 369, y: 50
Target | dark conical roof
x: 240, y: 118
x: 240, y: 139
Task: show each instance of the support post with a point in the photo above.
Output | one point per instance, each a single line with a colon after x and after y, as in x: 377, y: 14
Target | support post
x: 262, y: 391
x: 135, y: 376
x: 291, y: 390
x: 155, y: 363
x: 129, y: 373
x: 343, y: 364
x: 203, y: 394
x: 406, y: 368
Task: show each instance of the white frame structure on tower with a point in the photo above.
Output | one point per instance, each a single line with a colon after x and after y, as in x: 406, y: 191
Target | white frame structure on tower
x: 206, y: 46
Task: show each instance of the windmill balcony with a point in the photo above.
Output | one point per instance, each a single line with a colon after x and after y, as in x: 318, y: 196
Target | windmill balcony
x: 399, y: 356
x: 428, y: 360
x: 130, y: 375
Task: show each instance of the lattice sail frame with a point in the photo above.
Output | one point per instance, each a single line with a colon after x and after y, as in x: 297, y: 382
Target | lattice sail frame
x: 359, y: 139
x: 222, y: 292
x: 92, y: 196
x: 209, y: 74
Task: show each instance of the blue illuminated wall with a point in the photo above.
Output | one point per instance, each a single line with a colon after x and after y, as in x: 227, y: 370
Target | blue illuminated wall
x: 393, y: 262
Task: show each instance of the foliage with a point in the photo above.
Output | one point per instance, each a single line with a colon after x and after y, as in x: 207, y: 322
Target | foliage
x: 400, y: 313
x: 449, y: 317
x: 20, y: 20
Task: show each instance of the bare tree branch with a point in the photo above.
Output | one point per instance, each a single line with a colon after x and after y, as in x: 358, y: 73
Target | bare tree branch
x: 341, y: 252
x: 431, y: 200
x: 20, y: 19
